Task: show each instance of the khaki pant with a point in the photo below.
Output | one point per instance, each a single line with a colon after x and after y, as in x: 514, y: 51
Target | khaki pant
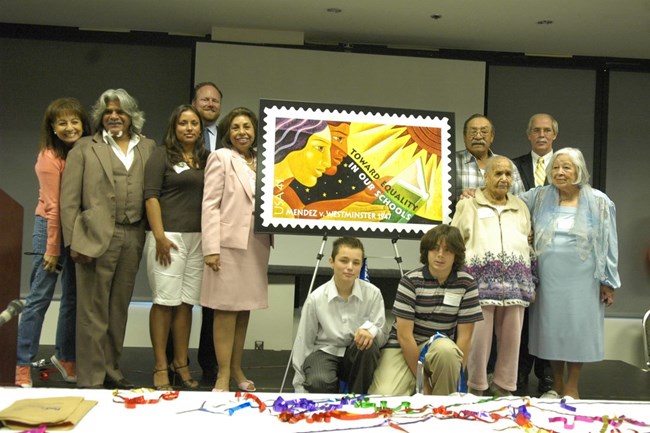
x: 443, y: 361
x: 104, y: 292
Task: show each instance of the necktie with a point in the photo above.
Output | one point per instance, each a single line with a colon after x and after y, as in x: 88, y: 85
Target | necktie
x: 206, y: 138
x: 540, y: 172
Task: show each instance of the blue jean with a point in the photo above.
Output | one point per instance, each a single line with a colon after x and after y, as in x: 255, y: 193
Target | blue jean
x: 41, y: 290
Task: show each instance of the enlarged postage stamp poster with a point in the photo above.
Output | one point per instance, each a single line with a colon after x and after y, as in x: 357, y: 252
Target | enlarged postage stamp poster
x: 363, y: 171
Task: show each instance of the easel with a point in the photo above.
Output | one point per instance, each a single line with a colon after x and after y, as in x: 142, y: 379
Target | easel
x: 319, y: 257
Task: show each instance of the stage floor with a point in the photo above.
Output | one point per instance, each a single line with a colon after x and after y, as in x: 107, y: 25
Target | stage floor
x: 605, y: 380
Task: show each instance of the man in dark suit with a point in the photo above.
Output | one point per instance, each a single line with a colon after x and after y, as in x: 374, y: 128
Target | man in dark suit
x: 542, y: 132
x: 207, y: 100
x: 103, y: 220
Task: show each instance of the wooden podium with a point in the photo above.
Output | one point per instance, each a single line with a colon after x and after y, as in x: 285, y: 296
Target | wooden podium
x: 11, y: 240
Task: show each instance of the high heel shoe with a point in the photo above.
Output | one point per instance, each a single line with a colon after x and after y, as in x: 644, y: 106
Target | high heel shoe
x: 164, y: 386
x: 187, y: 383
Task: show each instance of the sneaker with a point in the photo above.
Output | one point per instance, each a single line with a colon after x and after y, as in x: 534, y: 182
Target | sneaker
x: 67, y: 369
x: 24, y: 376
x: 550, y: 395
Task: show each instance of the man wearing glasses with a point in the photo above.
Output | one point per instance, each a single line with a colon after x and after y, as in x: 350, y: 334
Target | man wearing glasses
x: 542, y: 132
x: 207, y: 100
x: 478, y: 134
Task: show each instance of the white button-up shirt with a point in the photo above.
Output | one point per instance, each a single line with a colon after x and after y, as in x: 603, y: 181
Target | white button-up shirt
x: 127, y: 159
x: 328, y: 322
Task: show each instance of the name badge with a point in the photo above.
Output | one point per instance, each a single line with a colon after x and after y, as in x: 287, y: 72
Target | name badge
x: 565, y: 224
x: 485, y: 212
x: 452, y: 299
x: 181, y: 167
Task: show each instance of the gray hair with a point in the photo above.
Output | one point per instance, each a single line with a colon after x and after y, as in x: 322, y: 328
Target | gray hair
x: 556, y: 126
x: 575, y: 155
x: 493, y: 159
x: 128, y: 104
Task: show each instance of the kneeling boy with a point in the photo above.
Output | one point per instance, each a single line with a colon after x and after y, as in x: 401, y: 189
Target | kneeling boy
x: 435, y: 309
x: 341, y: 328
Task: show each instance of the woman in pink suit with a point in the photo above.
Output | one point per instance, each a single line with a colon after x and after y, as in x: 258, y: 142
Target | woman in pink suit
x: 236, y: 259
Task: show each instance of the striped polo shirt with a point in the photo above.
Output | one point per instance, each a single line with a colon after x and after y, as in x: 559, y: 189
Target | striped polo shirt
x: 432, y: 307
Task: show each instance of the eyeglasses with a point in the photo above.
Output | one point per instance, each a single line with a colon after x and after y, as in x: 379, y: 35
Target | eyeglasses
x: 473, y: 132
x: 545, y: 131
x: 207, y: 100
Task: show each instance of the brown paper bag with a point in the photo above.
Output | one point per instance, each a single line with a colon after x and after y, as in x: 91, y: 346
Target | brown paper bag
x: 57, y: 413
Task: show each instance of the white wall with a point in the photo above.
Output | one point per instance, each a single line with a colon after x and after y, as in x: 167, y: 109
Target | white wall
x: 274, y: 325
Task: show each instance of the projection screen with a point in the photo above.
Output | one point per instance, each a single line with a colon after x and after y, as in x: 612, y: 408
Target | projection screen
x: 246, y: 74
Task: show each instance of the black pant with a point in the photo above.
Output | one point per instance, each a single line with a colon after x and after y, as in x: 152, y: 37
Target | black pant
x: 206, y: 357
x: 354, y: 371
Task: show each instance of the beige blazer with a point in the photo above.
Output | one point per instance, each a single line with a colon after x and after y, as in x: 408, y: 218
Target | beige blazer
x: 228, y: 203
x: 88, y: 195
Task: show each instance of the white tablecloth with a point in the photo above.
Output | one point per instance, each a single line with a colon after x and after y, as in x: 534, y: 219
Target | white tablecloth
x: 181, y: 414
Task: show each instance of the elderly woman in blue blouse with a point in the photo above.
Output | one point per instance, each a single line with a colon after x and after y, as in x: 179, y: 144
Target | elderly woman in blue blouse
x: 577, y: 248
x: 495, y: 226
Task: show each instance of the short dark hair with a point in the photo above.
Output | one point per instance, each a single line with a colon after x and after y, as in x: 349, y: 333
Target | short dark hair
x: 347, y: 241
x: 476, y: 116
x: 453, y: 239
x: 224, y: 125
x: 203, y: 84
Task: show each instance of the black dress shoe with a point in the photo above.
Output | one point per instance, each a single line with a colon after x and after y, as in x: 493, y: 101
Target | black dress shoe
x: 122, y: 383
x: 544, y: 384
x: 522, y: 383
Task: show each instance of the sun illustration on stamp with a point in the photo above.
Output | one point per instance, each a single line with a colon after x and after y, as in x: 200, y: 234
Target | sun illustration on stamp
x: 407, y: 156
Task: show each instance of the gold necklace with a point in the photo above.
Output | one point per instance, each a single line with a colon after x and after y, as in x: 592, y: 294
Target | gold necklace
x: 251, y: 163
x: 189, y: 159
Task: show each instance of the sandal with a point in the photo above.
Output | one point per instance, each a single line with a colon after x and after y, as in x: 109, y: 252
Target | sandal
x: 165, y: 386
x: 247, y: 386
x: 187, y: 383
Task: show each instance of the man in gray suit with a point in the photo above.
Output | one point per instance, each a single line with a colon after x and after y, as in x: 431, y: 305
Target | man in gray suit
x: 542, y: 132
x: 103, y: 220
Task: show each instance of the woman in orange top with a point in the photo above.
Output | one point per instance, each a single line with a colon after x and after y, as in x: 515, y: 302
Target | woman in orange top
x: 65, y: 122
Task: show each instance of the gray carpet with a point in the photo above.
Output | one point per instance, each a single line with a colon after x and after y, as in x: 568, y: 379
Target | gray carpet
x: 605, y: 380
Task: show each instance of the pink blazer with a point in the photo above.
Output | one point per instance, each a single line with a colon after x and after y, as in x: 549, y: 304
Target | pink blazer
x: 228, y: 203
